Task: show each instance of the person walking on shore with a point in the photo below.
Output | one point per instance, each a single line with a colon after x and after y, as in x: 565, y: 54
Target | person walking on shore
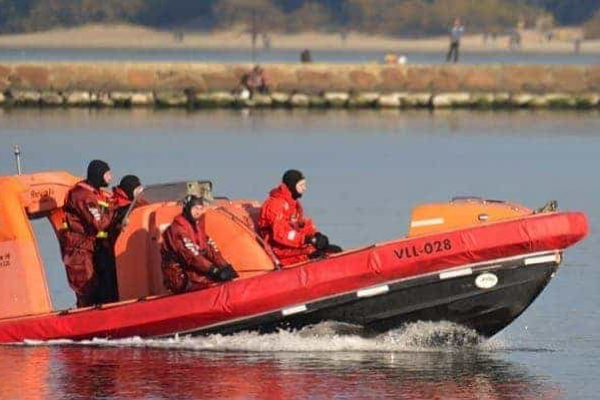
x: 456, y: 33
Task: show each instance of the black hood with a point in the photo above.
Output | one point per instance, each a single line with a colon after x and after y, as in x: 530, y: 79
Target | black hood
x: 128, y: 185
x: 291, y: 179
x: 95, y: 173
x: 188, y: 204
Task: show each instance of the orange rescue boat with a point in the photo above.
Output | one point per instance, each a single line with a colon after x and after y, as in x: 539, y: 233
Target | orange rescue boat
x: 472, y: 261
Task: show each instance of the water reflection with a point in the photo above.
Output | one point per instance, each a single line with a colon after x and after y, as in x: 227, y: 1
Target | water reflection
x: 33, y: 122
x: 135, y: 373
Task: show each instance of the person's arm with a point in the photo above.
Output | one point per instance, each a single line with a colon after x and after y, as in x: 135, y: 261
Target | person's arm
x: 215, y: 253
x: 282, y: 231
x: 191, y: 254
x: 308, y: 227
x: 93, y: 213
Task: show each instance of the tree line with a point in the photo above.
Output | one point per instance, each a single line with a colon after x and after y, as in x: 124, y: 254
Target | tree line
x: 393, y: 17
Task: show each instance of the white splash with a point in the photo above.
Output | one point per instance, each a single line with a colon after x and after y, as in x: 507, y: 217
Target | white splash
x: 323, y: 337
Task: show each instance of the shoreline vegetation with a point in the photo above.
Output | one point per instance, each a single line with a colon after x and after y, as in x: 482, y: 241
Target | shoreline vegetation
x: 125, y: 36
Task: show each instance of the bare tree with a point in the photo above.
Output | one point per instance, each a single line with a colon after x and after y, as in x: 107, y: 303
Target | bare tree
x: 257, y: 16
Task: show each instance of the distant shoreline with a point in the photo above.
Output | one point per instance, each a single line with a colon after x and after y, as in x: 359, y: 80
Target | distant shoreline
x: 356, y: 86
x: 137, y: 37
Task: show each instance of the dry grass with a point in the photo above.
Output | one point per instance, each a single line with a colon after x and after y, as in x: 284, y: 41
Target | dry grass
x: 130, y: 36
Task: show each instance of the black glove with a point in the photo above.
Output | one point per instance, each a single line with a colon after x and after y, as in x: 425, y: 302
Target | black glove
x: 332, y: 249
x: 222, y: 274
x: 318, y: 240
x: 321, y: 241
x: 316, y: 255
x: 309, y: 239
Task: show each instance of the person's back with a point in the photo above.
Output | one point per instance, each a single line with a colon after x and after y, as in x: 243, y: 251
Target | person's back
x: 257, y: 80
x: 306, y: 56
x: 456, y: 33
x: 86, y: 212
x: 190, y: 259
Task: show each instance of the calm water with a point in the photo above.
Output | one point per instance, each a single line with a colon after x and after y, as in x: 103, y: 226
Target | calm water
x: 366, y: 170
x: 282, y: 56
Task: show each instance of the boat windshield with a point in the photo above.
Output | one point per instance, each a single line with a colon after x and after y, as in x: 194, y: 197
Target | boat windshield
x: 174, y: 191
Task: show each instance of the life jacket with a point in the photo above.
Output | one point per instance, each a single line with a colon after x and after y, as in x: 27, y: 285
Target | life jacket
x: 282, y: 221
x: 87, y: 216
x: 284, y: 227
x: 187, y: 255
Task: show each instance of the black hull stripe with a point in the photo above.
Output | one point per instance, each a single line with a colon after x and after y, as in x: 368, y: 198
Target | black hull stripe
x: 546, y: 257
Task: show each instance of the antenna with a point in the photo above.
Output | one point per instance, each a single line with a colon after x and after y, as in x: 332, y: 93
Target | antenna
x: 17, y: 153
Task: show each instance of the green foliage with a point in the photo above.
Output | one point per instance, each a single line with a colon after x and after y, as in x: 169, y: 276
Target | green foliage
x: 311, y: 16
x: 12, y: 12
x: 256, y: 14
x: 569, y: 11
x: 176, y: 12
x: 44, y: 14
x: 412, y: 17
x: 435, y: 16
x: 592, y: 27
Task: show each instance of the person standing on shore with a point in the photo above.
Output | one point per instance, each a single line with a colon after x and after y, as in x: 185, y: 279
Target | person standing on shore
x: 456, y: 33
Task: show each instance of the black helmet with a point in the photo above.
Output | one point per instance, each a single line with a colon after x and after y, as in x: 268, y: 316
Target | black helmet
x: 95, y: 173
x: 188, y: 203
x: 128, y: 185
x: 291, y: 179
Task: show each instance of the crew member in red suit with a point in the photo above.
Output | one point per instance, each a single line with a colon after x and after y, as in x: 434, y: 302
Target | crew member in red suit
x: 87, y: 217
x: 292, y: 236
x: 104, y: 257
x: 123, y: 195
x: 190, y: 259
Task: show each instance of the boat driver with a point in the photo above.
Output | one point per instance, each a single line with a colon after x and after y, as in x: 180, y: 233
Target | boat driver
x: 88, y: 216
x: 292, y: 236
x: 190, y: 259
x: 104, y: 257
x: 123, y: 195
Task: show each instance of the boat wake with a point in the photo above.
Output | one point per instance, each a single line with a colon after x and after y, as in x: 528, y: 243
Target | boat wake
x: 321, y: 338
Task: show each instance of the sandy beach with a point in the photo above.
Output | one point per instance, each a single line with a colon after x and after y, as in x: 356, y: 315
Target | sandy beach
x: 131, y: 36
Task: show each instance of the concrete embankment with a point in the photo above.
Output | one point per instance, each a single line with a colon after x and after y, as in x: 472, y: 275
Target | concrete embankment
x: 315, y: 85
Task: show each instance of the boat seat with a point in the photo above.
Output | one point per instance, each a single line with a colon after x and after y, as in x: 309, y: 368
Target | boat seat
x: 160, y: 220
x: 138, y: 250
x: 231, y: 225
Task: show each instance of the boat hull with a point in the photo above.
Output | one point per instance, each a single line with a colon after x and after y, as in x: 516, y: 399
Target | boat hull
x: 482, y: 277
x: 455, y: 298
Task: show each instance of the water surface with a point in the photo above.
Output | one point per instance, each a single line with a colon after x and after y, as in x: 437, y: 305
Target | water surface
x: 365, y: 171
x: 282, y: 56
